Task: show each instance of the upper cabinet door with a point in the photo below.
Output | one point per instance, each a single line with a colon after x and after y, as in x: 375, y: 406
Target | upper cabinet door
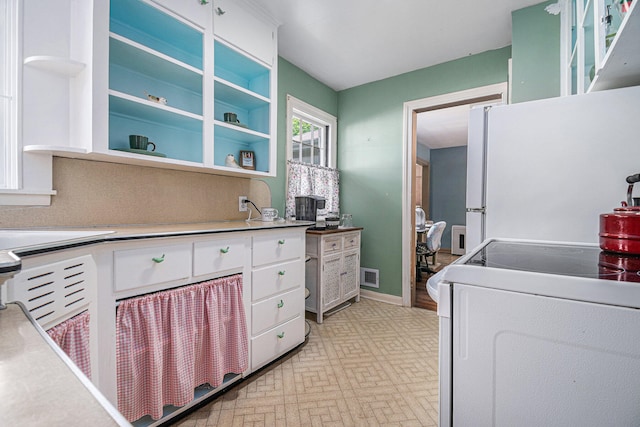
x: 244, y: 29
x: 193, y: 10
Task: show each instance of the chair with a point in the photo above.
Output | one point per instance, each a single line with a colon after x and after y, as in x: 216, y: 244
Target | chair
x: 429, y: 249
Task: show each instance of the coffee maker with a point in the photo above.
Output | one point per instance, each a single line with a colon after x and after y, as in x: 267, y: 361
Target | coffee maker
x: 307, y: 207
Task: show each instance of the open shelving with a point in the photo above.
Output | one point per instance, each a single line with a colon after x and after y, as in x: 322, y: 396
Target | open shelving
x: 155, y: 68
x: 155, y: 80
x: 243, y: 87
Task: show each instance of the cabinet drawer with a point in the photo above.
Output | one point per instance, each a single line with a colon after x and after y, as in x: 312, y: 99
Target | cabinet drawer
x: 277, y: 246
x: 135, y: 268
x: 276, y: 341
x: 351, y: 241
x: 276, y: 279
x: 270, y: 312
x: 218, y: 255
x: 332, y: 244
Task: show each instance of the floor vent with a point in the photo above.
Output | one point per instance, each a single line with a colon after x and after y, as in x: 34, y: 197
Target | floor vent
x: 369, y: 277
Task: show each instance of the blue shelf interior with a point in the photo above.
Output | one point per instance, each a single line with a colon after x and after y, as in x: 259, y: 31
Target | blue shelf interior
x: 176, y: 136
x: 139, y: 73
x: 236, y: 68
x: 157, y: 30
x: 230, y: 141
x: 256, y: 118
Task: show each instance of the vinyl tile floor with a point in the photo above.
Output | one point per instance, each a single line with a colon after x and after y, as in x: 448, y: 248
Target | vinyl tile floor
x: 371, y: 364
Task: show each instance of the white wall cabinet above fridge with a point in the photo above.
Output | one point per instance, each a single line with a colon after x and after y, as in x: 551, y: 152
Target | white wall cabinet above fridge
x: 602, y: 45
x: 157, y: 69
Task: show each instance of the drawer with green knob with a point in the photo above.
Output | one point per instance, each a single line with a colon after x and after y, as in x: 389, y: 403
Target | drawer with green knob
x: 276, y: 341
x: 278, y: 278
x: 218, y: 255
x: 277, y: 246
x: 150, y: 265
x: 275, y: 310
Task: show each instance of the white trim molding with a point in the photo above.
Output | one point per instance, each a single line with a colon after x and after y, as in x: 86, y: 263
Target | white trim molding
x: 498, y: 91
x: 377, y: 296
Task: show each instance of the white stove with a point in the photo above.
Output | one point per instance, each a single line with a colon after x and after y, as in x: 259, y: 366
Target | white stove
x: 539, y: 333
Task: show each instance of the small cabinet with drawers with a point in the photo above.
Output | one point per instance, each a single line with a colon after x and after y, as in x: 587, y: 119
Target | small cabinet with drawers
x: 277, y: 294
x: 333, y: 269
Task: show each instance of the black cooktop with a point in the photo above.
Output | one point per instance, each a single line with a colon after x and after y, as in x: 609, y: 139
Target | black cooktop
x: 566, y: 260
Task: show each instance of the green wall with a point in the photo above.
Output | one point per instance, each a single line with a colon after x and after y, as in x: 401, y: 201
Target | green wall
x: 370, y: 151
x: 535, y: 49
x: 370, y: 127
x: 293, y: 81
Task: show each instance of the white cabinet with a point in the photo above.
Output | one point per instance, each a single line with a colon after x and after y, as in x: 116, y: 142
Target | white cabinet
x: 277, y: 299
x: 235, y: 23
x: 333, y: 270
x: 602, y: 45
x: 271, y: 262
x: 151, y: 68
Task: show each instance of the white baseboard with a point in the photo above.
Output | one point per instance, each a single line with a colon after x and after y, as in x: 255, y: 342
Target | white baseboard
x: 377, y: 296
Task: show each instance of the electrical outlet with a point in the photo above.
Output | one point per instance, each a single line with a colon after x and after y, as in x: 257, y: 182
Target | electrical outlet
x: 242, y: 203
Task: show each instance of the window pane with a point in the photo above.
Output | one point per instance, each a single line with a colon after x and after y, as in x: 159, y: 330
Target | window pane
x: 309, y: 138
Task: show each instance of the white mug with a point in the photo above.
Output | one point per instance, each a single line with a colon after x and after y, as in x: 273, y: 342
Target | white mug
x: 269, y: 214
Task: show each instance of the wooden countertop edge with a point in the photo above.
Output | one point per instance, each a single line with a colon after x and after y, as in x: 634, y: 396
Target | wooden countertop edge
x: 334, y: 231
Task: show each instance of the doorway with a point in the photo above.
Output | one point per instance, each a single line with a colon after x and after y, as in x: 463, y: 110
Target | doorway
x: 487, y: 94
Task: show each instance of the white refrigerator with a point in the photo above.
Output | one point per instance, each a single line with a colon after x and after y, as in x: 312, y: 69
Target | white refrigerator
x: 547, y: 169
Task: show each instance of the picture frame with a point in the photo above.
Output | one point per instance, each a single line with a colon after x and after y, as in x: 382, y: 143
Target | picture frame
x: 248, y: 160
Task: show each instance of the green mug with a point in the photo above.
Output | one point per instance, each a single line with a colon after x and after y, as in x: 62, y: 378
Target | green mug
x: 140, y: 142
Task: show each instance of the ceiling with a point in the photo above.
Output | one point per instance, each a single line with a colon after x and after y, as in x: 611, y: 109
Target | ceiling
x: 347, y: 43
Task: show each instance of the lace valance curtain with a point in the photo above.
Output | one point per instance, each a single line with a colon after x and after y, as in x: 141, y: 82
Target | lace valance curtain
x: 306, y: 179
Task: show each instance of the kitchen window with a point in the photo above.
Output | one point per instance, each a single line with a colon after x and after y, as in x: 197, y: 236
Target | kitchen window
x: 311, y: 134
x: 311, y: 155
x: 25, y: 178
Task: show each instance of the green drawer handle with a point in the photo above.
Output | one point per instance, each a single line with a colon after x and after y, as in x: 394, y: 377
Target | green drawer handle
x: 224, y: 251
x: 281, y: 335
x: 158, y: 260
x: 281, y: 273
x: 281, y: 304
x: 281, y: 242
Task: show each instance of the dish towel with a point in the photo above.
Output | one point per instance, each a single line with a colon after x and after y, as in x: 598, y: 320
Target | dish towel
x: 168, y: 343
x: 72, y: 336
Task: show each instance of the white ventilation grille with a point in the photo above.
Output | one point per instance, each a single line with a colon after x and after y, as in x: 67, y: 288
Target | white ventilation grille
x: 458, y: 240
x: 369, y: 277
x: 57, y: 291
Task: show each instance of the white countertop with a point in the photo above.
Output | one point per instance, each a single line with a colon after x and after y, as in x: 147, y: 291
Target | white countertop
x: 17, y: 242
x: 38, y: 387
